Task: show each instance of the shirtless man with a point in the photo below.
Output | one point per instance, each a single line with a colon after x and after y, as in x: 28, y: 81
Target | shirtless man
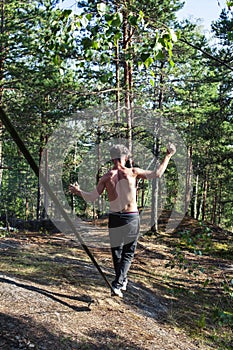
x: 120, y: 184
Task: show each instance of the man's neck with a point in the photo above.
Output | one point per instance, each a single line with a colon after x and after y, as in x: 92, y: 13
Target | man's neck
x: 118, y: 164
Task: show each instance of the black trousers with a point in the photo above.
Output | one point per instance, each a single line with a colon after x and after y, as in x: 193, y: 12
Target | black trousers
x: 123, y: 233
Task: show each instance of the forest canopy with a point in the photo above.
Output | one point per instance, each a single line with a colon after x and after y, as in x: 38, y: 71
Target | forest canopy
x: 125, y: 59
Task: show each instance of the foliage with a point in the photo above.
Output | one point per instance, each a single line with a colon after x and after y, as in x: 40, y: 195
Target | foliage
x: 34, y: 92
x: 57, y: 61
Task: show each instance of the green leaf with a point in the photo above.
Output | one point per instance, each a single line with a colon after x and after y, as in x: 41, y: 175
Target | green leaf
x: 57, y: 60
x: 140, y: 65
x: 229, y: 4
x: 84, y: 21
x: 157, y: 47
x: 133, y: 20
x: 66, y: 12
x: 144, y: 56
x: 89, y: 16
x: 109, y: 18
x: 141, y: 14
x: 117, y: 37
x: 173, y: 35
x: 87, y: 43
x: 95, y: 45
x: 160, y: 55
x: 152, y: 82
x: 117, y: 20
x: 148, y: 62
x: 102, y: 8
x: 171, y: 62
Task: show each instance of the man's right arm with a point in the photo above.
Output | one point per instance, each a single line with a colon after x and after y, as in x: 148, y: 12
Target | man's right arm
x: 88, y: 196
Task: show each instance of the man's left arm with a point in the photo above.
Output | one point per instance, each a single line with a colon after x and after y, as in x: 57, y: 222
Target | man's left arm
x: 150, y: 174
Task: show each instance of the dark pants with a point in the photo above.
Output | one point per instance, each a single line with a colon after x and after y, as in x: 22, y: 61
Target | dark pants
x: 123, y: 233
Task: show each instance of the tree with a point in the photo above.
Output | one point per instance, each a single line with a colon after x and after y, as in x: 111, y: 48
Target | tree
x: 122, y: 38
x: 200, y: 106
x: 33, y: 76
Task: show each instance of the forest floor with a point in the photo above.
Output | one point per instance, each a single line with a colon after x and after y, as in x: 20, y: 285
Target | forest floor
x: 52, y: 296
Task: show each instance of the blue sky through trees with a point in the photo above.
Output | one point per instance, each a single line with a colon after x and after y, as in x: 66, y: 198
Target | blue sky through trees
x: 206, y: 10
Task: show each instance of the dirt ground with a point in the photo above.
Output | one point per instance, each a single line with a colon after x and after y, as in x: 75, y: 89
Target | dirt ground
x: 52, y: 297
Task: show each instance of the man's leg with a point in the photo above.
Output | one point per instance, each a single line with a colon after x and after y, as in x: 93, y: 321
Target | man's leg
x: 116, y: 241
x: 116, y: 258
x: 124, y: 264
x: 129, y: 231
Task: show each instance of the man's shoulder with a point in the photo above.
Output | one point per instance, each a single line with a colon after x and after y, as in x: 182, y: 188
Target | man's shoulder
x: 139, y: 172
x: 107, y: 175
x: 136, y: 170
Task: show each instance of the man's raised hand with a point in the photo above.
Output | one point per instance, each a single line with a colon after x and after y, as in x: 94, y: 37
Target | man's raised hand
x: 74, y: 188
x: 171, y: 149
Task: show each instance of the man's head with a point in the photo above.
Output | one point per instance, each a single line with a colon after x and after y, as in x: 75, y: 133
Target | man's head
x: 119, y: 152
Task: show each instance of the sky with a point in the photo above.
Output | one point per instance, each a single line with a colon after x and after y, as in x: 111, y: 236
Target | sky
x: 207, y: 10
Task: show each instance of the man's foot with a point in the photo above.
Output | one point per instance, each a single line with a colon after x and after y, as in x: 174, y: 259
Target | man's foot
x: 124, y: 287
x: 117, y: 292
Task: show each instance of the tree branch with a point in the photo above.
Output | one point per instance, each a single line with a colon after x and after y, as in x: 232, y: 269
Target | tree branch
x: 207, y: 54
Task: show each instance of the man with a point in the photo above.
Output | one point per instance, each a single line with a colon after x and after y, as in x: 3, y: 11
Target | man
x: 120, y: 184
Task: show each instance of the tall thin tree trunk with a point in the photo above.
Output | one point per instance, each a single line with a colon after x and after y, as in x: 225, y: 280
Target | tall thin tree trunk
x: 47, y: 179
x: 73, y: 178
x: 195, y: 211
x: 117, y: 76
x: 156, y: 152
x: 38, y: 201
x: 204, y: 197
x: 118, y: 102
x: 127, y: 79
x: 43, y: 141
x: 1, y: 158
x: 220, y: 204
x: 99, y: 199
x: 214, y: 208
x: 155, y: 194
x: 2, y: 59
x: 188, y: 177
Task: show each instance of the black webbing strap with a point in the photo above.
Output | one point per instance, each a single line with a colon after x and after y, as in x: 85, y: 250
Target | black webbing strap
x: 14, y: 134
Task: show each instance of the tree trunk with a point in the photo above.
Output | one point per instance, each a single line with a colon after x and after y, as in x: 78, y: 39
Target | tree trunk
x: 195, y: 205
x: 117, y: 76
x: 43, y: 140
x: 220, y: 204
x: 74, y: 178
x: 46, y: 200
x: 38, y: 202
x: 2, y: 58
x: 99, y: 199
x: 156, y: 152
x: 128, y: 80
x: 155, y: 195
x: 188, y: 178
x: 118, y: 102
x: 1, y: 157
x: 204, y: 197
x: 214, y: 214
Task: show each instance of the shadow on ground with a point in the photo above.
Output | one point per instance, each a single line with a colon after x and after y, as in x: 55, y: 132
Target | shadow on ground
x: 24, y: 334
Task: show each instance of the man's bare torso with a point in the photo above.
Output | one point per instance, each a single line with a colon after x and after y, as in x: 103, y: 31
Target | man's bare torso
x: 120, y: 184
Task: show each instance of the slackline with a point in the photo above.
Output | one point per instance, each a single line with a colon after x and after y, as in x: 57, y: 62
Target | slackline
x: 17, y: 139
